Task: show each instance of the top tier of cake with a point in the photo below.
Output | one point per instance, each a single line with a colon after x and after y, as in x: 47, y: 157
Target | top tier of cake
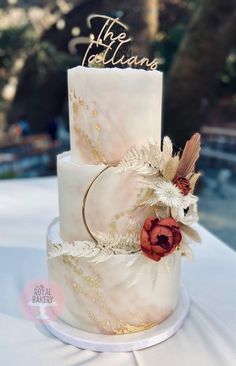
x: 112, y: 110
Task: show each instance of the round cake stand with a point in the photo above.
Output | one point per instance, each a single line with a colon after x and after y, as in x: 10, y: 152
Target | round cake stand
x: 126, y: 342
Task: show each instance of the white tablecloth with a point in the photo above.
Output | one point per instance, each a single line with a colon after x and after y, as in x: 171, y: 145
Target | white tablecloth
x: 208, y: 337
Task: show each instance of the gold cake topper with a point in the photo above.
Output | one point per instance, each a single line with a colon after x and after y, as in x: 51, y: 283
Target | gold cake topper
x: 112, y: 44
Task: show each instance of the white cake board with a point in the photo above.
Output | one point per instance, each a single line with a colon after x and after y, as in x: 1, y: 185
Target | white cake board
x: 126, y: 342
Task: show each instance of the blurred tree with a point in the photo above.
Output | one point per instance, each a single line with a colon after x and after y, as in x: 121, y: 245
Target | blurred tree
x: 142, y: 18
x: 174, y: 17
x: 42, y: 87
x: 15, y: 42
x: 43, y: 95
x: 197, y: 66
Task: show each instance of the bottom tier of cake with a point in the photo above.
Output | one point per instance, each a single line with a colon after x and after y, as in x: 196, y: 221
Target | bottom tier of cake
x: 122, y: 294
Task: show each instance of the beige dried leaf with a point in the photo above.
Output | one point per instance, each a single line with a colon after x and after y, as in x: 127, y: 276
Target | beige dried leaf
x: 78, y: 249
x: 189, y: 156
x: 193, y: 180
x: 191, y: 233
x: 170, y: 168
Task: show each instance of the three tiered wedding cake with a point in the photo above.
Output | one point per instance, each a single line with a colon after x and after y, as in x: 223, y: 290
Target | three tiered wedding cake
x: 125, y: 204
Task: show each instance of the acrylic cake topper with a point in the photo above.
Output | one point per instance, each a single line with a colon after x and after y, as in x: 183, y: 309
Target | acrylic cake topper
x: 112, y: 44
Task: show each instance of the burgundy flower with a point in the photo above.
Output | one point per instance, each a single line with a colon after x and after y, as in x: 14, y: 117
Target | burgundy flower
x: 159, y: 237
x: 183, y: 185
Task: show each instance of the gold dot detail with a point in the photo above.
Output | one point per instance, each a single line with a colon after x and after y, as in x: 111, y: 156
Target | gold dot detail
x: 94, y: 113
x: 98, y: 127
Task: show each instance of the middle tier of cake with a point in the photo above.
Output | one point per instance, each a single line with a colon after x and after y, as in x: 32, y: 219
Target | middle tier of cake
x: 105, y: 199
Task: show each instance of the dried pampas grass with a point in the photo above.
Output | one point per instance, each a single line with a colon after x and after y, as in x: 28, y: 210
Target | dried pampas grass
x: 189, y: 156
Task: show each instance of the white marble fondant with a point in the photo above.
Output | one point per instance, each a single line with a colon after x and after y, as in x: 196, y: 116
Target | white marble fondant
x: 122, y: 294
x: 73, y: 181
x: 111, y: 195
x: 112, y: 110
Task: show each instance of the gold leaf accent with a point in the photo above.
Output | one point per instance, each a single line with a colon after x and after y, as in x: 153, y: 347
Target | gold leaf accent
x: 81, y: 102
x: 98, y: 127
x: 94, y: 113
x: 113, y: 226
x: 129, y: 328
x: 75, y: 108
x: 112, y: 325
x: 86, y: 146
x: 92, y: 282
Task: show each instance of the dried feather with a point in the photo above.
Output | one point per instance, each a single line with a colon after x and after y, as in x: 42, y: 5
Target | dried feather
x: 79, y: 249
x: 134, y: 226
x: 116, y: 243
x: 56, y: 250
x: 147, y: 195
x: 144, y: 160
x: 193, y: 180
x: 191, y: 233
x: 153, y: 201
x: 155, y: 154
x: 170, y: 169
x: 106, y: 245
x: 167, y: 149
x: 189, y: 156
x: 150, y: 184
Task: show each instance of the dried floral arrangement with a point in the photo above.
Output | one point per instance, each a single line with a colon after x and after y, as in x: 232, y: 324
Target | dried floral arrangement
x: 168, y: 182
